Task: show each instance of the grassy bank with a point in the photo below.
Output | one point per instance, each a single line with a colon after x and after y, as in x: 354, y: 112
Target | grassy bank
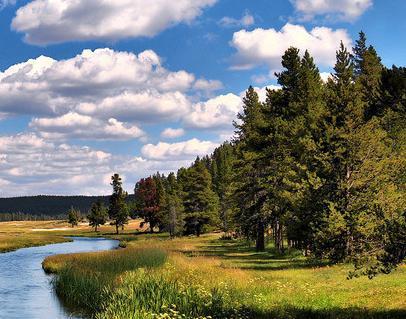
x: 205, y: 277
x: 16, y: 235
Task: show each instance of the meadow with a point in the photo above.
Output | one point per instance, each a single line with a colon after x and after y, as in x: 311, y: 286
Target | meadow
x: 158, y: 277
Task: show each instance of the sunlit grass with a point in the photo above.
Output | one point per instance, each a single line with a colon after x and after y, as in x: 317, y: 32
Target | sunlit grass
x: 22, y: 234
x: 203, y: 277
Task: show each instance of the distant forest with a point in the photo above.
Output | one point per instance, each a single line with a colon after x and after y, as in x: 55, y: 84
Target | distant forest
x: 45, y: 207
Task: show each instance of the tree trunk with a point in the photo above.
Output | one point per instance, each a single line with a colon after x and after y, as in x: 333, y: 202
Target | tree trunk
x: 260, y: 241
x: 95, y: 228
x: 116, y: 229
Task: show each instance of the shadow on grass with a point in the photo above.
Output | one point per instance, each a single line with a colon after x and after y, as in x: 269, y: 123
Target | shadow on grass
x: 239, y: 254
x: 334, y: 313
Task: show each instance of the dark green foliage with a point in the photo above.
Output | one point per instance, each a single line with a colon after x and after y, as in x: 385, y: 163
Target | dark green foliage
x: 199, y: 200
x: 174, y: 206
x: 48, y: 205
x: 97, y: 215
x: 221, y: 170
x: 118, y: 210
x: 73, y: 217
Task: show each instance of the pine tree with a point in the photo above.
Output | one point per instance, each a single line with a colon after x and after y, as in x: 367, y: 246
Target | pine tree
x: 200, y: 201
x: 118, y: 211
x: 174, y: 206
x: 222, y: 176
x: 73, y: 217
x: 250, y: 185
x: 97, y: 215
x: 359, y: 51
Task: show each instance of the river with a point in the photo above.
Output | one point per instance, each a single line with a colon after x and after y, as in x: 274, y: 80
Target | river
x: 26, y: 291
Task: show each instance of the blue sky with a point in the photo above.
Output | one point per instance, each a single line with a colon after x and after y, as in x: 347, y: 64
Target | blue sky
x: 89, y: 88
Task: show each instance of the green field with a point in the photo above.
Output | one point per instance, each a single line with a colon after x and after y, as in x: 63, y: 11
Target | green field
x: 156, y: 277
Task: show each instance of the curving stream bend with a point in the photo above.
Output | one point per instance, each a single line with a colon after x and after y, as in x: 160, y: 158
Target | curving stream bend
x: 26, y: 291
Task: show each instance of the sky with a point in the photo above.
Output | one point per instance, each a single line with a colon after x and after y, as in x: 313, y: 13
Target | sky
x: 89, y: 88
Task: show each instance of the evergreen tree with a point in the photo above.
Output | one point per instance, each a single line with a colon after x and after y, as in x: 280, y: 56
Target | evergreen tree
x: 250, y: 182
x: 73, y: 217
x: 200, y: 201
x: 174, y: 206
x: 98, y: 215
x: 222, y: 176
x: 359, y: 51
x: 118, y: 211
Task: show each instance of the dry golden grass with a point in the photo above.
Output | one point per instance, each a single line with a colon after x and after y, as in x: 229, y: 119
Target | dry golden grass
x: 16, y: 235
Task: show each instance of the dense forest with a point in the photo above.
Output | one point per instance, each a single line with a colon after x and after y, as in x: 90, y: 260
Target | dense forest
x: 319, y: 166
x: 41, y: 207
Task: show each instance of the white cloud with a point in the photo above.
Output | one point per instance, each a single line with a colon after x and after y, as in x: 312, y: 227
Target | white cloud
x: 172, y: 132
x: 54, y: 21
x: 216, y: 113
x: 47, y: 86
x: 74, y: 125
x: 31, y: 165
x: 208, y: 85
x: 266, y: 46
x: 178, y: 151
x: 347, y: 10
x: 103, y: 84
x: 245, y: 21
x: 149, y: 106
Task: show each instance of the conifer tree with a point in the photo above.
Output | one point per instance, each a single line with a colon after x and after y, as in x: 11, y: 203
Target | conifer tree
x: 97, y: 215
x: 250, y: 186
x: 118, y: 211
x: 73, y: 217
x: 200, y: 201
x: 174, y: 206
x: 222, y: 176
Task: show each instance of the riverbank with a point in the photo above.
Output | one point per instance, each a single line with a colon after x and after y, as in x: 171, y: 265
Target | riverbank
x: 206, y: 277
x: 24, y: 234
x: 158, y: 277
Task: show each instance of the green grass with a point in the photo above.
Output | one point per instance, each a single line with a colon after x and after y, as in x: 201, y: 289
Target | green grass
x: 84, y: 281
x: 205, y: 277
x: 157, y: 277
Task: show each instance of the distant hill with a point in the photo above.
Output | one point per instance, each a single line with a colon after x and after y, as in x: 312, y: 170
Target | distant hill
x: 48, y: 205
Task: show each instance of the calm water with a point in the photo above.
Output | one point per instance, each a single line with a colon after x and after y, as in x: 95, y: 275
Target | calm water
x: 26, y: 291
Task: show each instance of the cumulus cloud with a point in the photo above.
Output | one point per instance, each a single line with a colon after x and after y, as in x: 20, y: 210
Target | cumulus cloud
x: 266, y: 46
x: 103, y: 84
x: 245, y: 21
x: 208, y: 85
x: 216, y: 113
x: 74, y: 125
x: 178, y: 151
x: 54, y: 21
x: 32, y: 165
x: 172, y: 132
x: 347, y: 10
x: 47, y: 86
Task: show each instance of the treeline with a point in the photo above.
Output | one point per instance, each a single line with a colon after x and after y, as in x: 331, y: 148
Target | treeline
x: 318, y: 166
x: 7, y: 217
x: 51, y: 206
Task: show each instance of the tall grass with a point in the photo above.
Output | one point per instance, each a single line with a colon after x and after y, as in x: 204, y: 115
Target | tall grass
x: 155, y: 279
x: 85, y: 281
